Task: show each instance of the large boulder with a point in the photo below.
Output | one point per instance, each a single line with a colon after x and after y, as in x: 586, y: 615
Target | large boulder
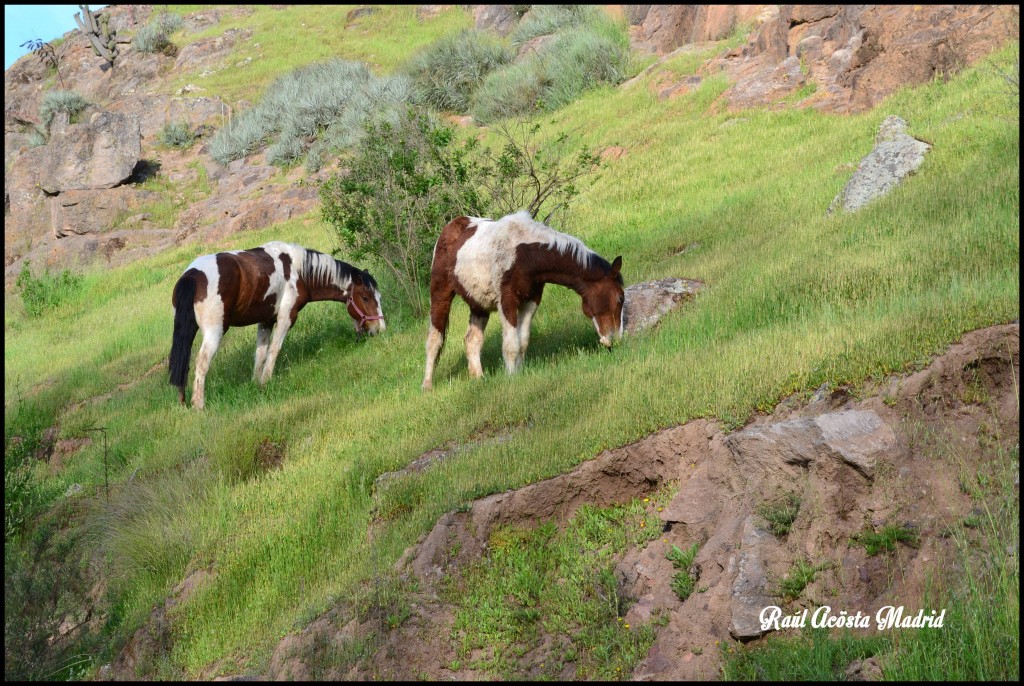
x: 502, y: 19
x: 100, y: 153
x: 859, y: 54
x: 94, y: 212
x: 663, y: 28
x: 895, y: 156
x: 648, y: 302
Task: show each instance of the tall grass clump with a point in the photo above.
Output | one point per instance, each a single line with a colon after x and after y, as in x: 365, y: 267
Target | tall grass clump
x: 446, y: 74
x: 60, y: 101
x: 176, y: 134
x: 321, y: 107
x: 46, y: 291
x: 543, y: 20
x: 156, y: 35
x: 578, y: 58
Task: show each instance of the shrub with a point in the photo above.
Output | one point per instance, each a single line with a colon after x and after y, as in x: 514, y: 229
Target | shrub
x: 543, y: 20
x: 60, y: 101
x: 578, y: 58
x: 46, y: 291
x: 683, y: 581
x: 156, y: 35
x: 176, y: 135
x: 320, y: 106
x: 446, y: 73
x: 36, y: 138
x: 406, y: 181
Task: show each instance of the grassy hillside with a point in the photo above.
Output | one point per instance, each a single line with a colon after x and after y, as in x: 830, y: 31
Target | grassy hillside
x: 793, y: 299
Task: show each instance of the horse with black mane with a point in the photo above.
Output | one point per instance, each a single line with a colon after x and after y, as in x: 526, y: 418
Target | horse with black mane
x: 503, y: 266
x: 266, y: 286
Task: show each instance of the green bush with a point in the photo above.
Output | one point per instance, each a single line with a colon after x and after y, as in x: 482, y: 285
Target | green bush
x: 156, y: 35
x: 319, y: 107
x: 446, y: 73
x: 543, y: 20
x: 176, y: 135
x: 60, y: 101
x: 46, y: 291
x: 577, y: 59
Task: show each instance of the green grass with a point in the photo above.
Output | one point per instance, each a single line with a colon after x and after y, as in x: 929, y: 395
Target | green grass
x: 796, y: 579
x: 683, y: 582
x: 794, y: 299
x: 296, y: 37
x: 885, y: 540
x: 549, y: 582
x: 780, y: 514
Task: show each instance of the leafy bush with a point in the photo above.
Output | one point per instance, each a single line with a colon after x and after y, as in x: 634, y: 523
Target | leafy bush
x: 176, y: 135
x: 60, y: 101
x: 156, y: 35
x: 542, y: 20
x: 578, y: 58
x: 46, y: 291
x: 319, y: 107
x: 406, y: 181
x: 446, y: 73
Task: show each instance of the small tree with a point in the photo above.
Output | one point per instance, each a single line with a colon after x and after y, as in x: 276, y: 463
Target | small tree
x: 46, y: 54
x: 405, y: 181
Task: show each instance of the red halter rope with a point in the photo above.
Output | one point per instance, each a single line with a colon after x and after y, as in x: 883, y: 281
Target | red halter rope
x: 363, y: 317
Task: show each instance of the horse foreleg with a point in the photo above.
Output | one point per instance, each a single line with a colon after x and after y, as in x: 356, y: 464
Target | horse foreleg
x: 440, y: 307
x: 526, y: 311
x: 263, y: 332
x: 211, y: 341
x: 475, y: 341
x: 509, y: 344
x: 277, y: 340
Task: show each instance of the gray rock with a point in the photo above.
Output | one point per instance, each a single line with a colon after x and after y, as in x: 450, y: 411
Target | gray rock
x: 750, y: 592
x: 648, y: 302
x: 501, y: 19
x: 856, y: 437
x: 101, y: 153
x: 896, y: 155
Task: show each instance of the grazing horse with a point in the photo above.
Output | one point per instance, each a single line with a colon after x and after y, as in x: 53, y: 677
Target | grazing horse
x: 267, y: 285
x: 502, y: 266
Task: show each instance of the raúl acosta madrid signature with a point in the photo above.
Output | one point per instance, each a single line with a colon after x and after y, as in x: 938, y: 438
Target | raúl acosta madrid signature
x: 888, y: 617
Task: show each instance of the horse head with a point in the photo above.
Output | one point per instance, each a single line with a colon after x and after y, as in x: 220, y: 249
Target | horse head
x: 364, y: 304
x: 602, y: 302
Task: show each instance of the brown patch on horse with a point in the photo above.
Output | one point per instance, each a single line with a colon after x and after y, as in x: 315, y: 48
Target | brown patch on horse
x: 443, y: 283
x: 244, y: 282
x: 202, y: 283
x: 286, y: 265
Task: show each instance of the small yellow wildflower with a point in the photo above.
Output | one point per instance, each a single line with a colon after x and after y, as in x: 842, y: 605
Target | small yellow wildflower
x: 626, y: 625
x: 647, y: 500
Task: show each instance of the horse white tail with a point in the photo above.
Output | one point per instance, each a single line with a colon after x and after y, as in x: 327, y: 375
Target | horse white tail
x: 185, y: 329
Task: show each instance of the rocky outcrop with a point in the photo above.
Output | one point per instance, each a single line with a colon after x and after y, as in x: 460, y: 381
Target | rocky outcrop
x: 501, y: 19
x: 663, y: 28
x: 895, y: 156
x: 100, y: 153
x: 858, y: 54
x: 646, y: 303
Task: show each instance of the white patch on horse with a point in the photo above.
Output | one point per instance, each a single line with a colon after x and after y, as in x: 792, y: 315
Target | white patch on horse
x: 210, y: 310
x: 483, y: 260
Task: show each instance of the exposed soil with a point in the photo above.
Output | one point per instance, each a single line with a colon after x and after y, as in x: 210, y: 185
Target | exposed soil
x: 886, y: 453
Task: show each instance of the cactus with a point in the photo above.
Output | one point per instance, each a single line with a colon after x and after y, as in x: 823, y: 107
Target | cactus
x: 96, y: 28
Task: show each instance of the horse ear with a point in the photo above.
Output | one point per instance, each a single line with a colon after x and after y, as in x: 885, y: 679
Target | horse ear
x: 616, y: 265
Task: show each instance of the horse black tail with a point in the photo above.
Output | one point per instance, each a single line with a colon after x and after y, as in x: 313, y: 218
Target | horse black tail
x: 185, y: 328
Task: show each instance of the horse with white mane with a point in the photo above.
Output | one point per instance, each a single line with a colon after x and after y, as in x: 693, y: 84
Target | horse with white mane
x: 503, y: 266
x: 266, y: 286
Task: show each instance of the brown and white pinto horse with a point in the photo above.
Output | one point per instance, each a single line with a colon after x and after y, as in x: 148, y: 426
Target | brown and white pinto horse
x: 502, y: 266
x: 265, y: 286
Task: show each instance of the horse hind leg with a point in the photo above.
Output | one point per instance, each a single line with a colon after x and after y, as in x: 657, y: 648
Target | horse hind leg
x: 211, y: 341
x: 475, y: 342
x: 263, y: 332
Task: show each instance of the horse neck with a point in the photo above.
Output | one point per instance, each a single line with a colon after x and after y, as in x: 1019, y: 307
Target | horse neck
x: 546, y: 264
x: 327, y: 291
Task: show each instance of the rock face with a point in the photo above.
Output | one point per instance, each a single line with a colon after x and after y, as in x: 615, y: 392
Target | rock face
x: 98, y: 154
x: 663, y: 28
x: 649, y: 301
x: 895, y: 156
x: 501, y: 19
x: 858, y: 54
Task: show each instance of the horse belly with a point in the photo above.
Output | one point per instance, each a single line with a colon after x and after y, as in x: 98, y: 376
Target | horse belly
x: 478, y: 270
x: 258, y: 312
